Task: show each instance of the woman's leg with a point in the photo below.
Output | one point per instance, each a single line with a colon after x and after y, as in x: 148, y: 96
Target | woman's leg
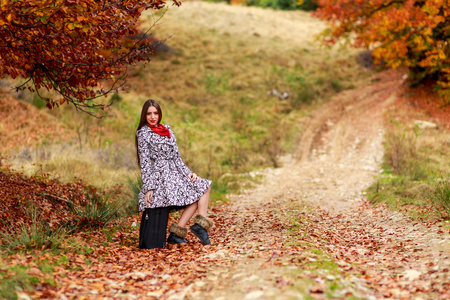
x: 201, y: 223
x: 178, y: 231
x: 189, y: 211
x: 203, y: 203
x: 187, y: 214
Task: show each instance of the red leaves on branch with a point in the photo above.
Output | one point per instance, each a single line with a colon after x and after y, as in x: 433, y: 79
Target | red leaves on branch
x: 403, y: 33
x: 70, y: 46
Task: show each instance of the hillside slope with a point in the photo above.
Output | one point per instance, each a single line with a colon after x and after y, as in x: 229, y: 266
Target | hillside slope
x: 23, y: 125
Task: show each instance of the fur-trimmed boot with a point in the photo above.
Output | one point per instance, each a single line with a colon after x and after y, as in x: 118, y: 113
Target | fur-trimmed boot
x: 177, y: 234
x: 201, y: 227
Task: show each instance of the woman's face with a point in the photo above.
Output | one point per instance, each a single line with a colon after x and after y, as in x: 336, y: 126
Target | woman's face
x: 152, y: 115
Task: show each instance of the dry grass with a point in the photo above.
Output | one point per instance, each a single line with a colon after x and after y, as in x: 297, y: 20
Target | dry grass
x: 435, y: 147
x: 417, y: 168
x: 100, y: 167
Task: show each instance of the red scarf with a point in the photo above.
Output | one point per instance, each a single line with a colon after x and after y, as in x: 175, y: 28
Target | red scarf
x: 160, y: 129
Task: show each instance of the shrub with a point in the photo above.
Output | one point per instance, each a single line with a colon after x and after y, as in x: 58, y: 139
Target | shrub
x: 410, y: 34
x: 308, y: 5
x: 98, y: 211
x: 286, y: 4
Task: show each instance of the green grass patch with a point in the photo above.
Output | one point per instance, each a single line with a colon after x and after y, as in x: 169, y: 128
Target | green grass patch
x: 15, y: 280
x: 27, y: 238
x: 402, y: 193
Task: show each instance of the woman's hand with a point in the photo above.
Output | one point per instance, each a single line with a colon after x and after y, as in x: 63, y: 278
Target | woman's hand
x: 193, y: 177
x: 148, y: 198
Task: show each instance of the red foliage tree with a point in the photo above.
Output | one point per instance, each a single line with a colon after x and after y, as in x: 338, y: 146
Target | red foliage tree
x: 72, y: 46
x: 403, y: 33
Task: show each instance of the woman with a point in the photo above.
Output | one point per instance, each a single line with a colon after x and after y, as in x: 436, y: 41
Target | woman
x: 168, y: 184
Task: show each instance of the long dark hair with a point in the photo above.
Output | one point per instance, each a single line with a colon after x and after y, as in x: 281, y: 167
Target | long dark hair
x: 143, y: 121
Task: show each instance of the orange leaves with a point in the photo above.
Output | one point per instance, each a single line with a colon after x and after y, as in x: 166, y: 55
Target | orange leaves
x: 64, y: 45
x: 433, y: 58
x: 70, y: 26
x: 10, y: 17
x: 412, y: 33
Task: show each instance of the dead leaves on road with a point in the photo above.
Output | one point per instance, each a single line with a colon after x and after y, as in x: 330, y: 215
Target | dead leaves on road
x: 392, y: 257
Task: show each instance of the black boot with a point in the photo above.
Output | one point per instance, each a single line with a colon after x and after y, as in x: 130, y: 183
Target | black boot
x: 201, y: 227
x: 177, y: 234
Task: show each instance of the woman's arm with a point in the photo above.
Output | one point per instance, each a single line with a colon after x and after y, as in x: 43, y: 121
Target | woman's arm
x: 147, y: 168
x: 181, y: 165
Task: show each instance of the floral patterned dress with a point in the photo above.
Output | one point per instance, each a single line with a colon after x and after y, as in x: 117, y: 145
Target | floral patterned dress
x: 165, y: 173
